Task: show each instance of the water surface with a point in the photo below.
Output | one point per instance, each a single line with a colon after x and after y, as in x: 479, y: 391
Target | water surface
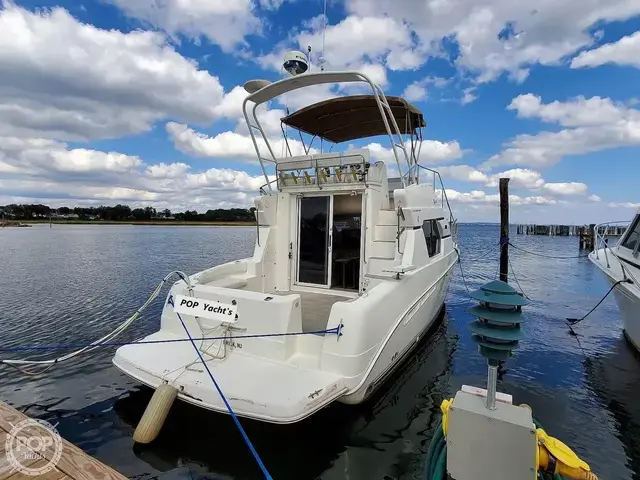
x: 75, y: 283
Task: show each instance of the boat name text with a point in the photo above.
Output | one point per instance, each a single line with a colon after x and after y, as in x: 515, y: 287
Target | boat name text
x: 199, y: 307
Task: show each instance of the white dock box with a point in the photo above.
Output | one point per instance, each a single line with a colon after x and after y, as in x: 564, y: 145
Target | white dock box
x: 487, y: 444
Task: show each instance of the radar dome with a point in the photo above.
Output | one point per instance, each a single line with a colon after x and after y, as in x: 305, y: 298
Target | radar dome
x: 295, y: 63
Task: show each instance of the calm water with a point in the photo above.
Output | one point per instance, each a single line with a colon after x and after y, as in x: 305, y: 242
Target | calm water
x: 75, y: 283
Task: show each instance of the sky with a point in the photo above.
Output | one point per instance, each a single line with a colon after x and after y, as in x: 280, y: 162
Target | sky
x: 139, y: 101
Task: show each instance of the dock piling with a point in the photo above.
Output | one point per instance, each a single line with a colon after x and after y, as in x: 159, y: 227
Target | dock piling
x: 504, y: 229
x: 585, y: 233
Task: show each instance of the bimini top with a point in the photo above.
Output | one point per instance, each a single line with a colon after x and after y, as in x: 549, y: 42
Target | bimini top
x: 349, y: 118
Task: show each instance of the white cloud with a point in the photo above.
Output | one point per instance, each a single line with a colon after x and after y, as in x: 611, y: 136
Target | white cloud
x: 469, y: 95
x: 67, y: 80
x: 74, y: 190
x: 356, y: 38
x: 38, y: 156
x: 163, y: 170
x: 367, y: 44
x: 415, y: 92
x: 37, y: 169
x: 376, y: 72
x: 419, y: 90
x: 481, y: 197
x: 570, y: 188
x: 623, y: 205
x: 227, y: 145
x: 600, y: 124
x: 625, y: 51
x: 463, y: 173
x: 433, y: 151
x: 224, y: 22
x: 303, y: 97
x: 594, y: 198
x: 577, y: 112
x: 231, y: 104
x: 519, y: 178
x: 497, y: 36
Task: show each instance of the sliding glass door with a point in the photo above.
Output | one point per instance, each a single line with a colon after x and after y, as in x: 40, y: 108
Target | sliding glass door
x: 314, y: 241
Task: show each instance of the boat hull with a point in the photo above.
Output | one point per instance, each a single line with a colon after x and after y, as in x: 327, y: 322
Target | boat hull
x: 266, y: 391
x: 410, y: 331
x: 291, y: 390
x: 627, y: 295
x: 629, y: 306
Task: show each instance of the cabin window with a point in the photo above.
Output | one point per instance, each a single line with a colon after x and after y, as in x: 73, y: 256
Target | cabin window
x: 632, y: 238
x: 431, y: 236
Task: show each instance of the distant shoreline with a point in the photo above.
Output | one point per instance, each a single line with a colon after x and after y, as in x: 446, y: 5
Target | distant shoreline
x: 157, y: 223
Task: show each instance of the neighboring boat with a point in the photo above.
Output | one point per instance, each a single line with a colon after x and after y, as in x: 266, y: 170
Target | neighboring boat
x: 621, y: 265
x: 357, y: 261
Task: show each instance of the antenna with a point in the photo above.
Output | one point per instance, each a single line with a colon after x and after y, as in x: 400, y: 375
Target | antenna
x: 324, y: 34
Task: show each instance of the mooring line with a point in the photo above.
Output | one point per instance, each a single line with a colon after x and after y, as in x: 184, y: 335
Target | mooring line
x: 335, y: 330
x: 224, y: 399
x: 573, y: 321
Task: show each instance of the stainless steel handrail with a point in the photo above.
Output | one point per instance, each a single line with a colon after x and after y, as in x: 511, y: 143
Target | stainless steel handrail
x: 286, y: 85
x: 602, y: 243
x: 262, y: 190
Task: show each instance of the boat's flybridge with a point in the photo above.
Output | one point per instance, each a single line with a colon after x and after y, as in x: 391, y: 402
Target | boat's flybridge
x: 339, y: 247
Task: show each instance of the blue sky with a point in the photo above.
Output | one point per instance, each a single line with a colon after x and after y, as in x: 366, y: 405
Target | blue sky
x: 138, y: 101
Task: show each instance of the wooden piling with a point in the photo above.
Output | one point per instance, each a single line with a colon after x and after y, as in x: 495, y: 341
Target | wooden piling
x: 504, y: 229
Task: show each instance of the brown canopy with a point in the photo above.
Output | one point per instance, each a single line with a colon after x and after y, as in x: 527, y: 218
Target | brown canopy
x: 349, y: 118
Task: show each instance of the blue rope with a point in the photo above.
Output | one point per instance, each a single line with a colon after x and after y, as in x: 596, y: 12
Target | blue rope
x: 224, y: 399
x: 336, y: 330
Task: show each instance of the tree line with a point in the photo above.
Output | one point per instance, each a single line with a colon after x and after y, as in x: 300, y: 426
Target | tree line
x: 122, y: 213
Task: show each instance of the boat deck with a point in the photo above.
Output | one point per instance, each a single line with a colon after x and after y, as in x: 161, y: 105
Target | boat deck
x: 74, y: 464
x: 316, y: 308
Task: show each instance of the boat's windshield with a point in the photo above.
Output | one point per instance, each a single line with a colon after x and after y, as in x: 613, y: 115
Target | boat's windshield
x: 631, y: 238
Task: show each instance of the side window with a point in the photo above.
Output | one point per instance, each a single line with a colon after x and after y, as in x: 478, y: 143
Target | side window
x: 632, y: 238
x: 431, y: 236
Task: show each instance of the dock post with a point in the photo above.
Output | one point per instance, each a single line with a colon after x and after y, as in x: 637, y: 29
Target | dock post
x: 504, y: 229
x: 592, y: 236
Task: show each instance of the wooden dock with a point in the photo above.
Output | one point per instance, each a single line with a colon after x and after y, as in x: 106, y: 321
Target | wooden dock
x: 569, y: 230
x: 554, y: 230
x: 42, y: 454
x: 585, y: 232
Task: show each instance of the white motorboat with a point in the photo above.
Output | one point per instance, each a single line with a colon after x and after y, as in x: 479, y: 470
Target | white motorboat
x: 621, y: 265
x: 351, y: 265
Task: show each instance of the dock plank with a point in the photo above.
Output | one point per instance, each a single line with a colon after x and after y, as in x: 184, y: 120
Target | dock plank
x: 50, y: 475
x: 74, y: 464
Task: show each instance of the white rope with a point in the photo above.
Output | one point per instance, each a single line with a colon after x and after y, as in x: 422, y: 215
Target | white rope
x: 107, y: 338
